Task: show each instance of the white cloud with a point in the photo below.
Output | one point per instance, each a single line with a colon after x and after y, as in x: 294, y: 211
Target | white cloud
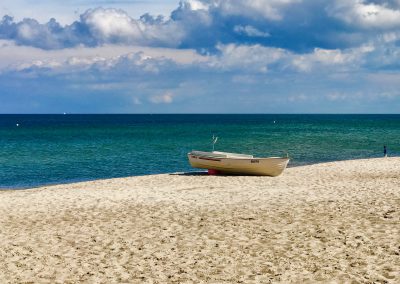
x: 24, y: 56
x: 331, y: 59
x: 110, y: 25
x: 96, y: 27
x: 250, y: 31
x: 249, y: 57
x: 197, y: 5
x: 26, y: 31
x: 165, y: 98
x: 136, y: 101
x: 366, y: 15
x: 249, y: 52
x: 260, y: 59
x: 116, y: 26
x: 242, y: 60
x: 68, y: 11
x: 337, y: 96
x: 268, y: 9
x: 202, y: 24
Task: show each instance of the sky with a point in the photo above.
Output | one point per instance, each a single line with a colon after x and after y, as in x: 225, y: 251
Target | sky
x: 200, y: 56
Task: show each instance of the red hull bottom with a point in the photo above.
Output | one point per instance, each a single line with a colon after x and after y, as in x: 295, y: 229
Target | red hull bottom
x: 212, y: 172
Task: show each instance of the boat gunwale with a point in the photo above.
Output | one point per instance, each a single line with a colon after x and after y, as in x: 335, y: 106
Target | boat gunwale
x: 236, y: 158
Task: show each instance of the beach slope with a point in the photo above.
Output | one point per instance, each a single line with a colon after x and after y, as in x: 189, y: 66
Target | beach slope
x: 336, y: 222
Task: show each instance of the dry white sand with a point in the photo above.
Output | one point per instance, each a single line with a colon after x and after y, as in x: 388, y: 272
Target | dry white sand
x: 333, y: 223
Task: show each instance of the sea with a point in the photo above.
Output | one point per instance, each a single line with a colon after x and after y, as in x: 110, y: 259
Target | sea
x: 38, y: 150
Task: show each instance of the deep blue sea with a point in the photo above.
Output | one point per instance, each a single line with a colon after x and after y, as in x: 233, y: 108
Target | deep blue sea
x: 48, y: 149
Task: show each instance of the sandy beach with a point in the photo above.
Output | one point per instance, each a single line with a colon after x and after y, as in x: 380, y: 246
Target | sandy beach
x: 330, y: 223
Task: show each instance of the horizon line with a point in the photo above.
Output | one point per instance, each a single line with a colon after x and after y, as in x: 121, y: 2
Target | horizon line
x: 233, y: 113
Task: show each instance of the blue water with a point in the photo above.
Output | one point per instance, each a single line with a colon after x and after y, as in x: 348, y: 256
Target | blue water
x: 47, y: 149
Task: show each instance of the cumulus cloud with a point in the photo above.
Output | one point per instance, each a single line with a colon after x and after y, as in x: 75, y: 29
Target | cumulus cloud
x: 324, y: 59
x: 268, y: 81
x: 240, y: 59
x: 25, y: 56
x: 130, y: 64
x: 298, y: 26
x: 367, y: 14
x: 196, y: 5
x: 96, y: 27
x: 278, y: 55
x: 263, y: 60
x: 111, y: 25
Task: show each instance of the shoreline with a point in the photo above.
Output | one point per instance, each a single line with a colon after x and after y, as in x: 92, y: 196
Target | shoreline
x: 334, y: 222
x: 188, y: 172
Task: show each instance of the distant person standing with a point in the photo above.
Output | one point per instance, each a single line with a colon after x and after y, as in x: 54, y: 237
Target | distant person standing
x: 384, y: 151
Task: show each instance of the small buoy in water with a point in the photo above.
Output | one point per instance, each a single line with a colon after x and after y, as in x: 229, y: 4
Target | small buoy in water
x: 17, y: 124
x: 274, y: 121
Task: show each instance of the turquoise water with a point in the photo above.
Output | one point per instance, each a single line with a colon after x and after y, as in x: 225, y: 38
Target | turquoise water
x: 47, y: 149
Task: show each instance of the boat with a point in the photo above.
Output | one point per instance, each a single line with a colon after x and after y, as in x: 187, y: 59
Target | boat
x: 239, y: 164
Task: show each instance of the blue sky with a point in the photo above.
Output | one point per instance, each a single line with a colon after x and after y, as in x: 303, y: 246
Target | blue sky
x: 200, y: 56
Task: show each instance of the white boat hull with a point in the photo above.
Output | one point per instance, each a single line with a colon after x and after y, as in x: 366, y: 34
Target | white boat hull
x: 241, y: 164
